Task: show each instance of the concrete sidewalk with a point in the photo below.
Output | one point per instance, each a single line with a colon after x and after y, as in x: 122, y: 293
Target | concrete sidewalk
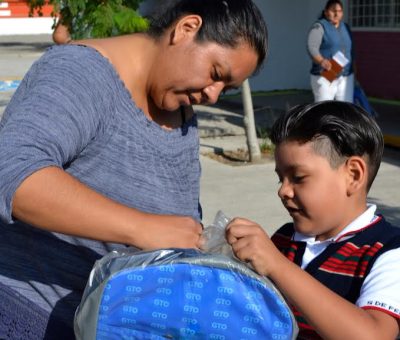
x: 247, y: 190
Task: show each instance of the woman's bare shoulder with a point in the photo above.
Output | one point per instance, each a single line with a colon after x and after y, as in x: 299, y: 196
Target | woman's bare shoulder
x: 101, y: 45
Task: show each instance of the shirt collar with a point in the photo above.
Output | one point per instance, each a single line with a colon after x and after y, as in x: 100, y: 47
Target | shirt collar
x: 366, y: 218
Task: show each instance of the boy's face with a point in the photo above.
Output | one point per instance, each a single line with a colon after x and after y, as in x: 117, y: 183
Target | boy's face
x: 314, y: 193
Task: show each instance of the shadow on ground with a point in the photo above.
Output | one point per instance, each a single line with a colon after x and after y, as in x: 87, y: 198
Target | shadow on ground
x: 391, y: 155
x: 227, y: 120
x: 25, y: 47
x: 391, y: 214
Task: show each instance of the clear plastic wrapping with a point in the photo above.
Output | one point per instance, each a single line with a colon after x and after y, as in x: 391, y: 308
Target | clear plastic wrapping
x: 214, y: 235
x: 181, y: 294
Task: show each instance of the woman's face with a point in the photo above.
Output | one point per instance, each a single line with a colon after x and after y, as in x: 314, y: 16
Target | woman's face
x: 334, y: 14
x: 192, y: 73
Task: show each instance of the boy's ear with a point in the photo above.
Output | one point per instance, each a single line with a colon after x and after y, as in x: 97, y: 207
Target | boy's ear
x: 186, y: 27
x: 357, y: 174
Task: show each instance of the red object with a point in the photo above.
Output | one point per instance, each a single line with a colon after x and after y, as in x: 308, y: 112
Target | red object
x: 20, y: 9
x: 333, y: 73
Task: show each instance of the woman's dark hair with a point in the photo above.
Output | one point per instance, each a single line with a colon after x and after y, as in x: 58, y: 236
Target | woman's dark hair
x: 348, y: 129
x: 225, y: 22
x: 328, y: 5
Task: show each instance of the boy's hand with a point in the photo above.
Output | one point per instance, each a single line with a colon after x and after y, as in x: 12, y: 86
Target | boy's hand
x: 250, y: 243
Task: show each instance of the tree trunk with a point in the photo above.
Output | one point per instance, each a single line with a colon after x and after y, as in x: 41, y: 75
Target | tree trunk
x: 249, y: 123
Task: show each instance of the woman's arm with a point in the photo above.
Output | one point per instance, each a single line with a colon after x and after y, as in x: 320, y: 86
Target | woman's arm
x: 313, y: 44
x: 57, y: 111
x: 53, y: 200
x: 314, y: 39
x: 332, y: 316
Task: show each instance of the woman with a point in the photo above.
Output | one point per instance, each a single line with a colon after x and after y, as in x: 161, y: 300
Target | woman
x: 99, y: 150
x: 328, y: 36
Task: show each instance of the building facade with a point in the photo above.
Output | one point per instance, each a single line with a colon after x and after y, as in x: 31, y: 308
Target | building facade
x: 376, y: 34
x: 15, y: 20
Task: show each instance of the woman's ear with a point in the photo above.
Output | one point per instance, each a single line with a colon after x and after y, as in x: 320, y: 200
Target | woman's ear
x: 186, y: 27
x: 357, y: 174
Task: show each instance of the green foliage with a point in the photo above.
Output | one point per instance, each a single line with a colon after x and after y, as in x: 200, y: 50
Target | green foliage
x: 266, y: 145
x: 94, y: 18
x: 35, y: 7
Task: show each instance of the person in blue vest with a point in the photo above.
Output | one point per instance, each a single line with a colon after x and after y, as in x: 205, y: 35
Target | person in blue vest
x: 338, y: 261
x: 328, y: 36
x: 99, y: 150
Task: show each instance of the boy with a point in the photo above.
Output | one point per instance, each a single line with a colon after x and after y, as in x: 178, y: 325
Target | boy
x: 337, y: 263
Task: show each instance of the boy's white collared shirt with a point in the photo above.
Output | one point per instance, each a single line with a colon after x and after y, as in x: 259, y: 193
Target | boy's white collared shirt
x: 381, y: 288
x: 314, y: 247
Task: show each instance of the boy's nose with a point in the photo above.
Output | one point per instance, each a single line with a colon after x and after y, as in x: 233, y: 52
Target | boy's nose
x: 285, y: 190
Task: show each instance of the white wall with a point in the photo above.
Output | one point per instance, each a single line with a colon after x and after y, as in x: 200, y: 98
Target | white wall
x: 288, y: 64
x: 25, y: 26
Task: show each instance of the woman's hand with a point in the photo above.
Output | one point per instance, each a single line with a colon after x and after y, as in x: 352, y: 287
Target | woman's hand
x: 326, y: 64
x: 168, y: 231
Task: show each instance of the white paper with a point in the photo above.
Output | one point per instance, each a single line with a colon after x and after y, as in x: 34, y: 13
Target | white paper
x: 340, y: 58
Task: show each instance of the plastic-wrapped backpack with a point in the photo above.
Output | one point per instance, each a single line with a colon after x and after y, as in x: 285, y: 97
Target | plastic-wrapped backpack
x: 180, y: 294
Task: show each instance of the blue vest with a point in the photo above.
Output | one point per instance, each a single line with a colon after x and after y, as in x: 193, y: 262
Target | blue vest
x: 334, y: 40
x: 342, y: 266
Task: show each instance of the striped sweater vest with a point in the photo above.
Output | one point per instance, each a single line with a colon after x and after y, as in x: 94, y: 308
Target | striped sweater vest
x: 343, y: 265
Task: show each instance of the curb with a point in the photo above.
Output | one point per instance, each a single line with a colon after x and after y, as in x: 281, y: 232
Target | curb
x: 392, y: 140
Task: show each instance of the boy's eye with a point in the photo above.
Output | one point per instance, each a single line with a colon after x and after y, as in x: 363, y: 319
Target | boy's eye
x: 298, y: 179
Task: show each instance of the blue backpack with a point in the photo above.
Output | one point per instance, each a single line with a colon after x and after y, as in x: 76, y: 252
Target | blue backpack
x: 180, y: 294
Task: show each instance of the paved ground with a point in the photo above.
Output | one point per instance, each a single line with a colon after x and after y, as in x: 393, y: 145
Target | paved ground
x: 18, y: 52
x: 245, y: 190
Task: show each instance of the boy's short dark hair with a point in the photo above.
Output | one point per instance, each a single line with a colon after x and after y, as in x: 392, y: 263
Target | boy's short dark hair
x: 337, y: 129
x: 225, y: 22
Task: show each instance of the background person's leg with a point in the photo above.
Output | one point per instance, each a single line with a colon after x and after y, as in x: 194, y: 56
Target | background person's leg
x: 322, y: 88
x: 345, y: 89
